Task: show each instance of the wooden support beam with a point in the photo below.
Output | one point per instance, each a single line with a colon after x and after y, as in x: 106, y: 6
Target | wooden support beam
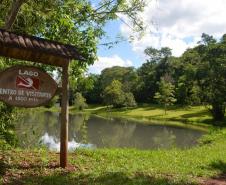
x: 64, y: 118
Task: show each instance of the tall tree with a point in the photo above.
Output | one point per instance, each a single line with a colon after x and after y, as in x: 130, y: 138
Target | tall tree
x: 159, y: 63
x: 126, y: 75
x: 211, y: 75
x: 165, y: 94
x: 114, y: 95
x: 187, y: 90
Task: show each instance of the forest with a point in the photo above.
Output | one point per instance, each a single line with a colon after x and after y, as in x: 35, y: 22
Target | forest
x: 198, y: 77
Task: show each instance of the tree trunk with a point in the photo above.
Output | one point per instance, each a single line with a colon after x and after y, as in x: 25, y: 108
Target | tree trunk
x: 165, y: 108
x: 11, y: 17
x: 218, y: 112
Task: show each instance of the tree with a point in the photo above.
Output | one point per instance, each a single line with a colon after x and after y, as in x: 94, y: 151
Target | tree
x: 126, y: 75
x: 7, y: 118
x: 165, y: 95
x: 211, y: 76
x: 10, y: 18
x: 114, y: 95
x: 157, y: 54
x: 94, y: 94
x: 158, y: 64
x: 129, y: 100
x: 80, y: 101
x: 75, y: 22
x: 187, y: 90
x: 90, y: 87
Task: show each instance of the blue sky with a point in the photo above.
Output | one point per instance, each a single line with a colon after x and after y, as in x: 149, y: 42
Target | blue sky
x: 178, y: 24
x: 122, y: 50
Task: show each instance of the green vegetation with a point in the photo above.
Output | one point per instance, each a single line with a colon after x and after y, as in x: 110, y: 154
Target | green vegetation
x: 165, y: 95
x: 7, y: 118
x: 198, y: 115
x: 198, y: 77
x: 114, y: 95
x: 119, y: 166
x: 77, y: 23
x: 79, y: 101
x: 151, y: 114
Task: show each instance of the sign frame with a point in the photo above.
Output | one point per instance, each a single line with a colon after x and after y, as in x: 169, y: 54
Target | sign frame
x: 54, y: 84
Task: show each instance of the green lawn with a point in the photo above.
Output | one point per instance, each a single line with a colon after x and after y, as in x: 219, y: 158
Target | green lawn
x: 124, y: 166
x: 189, y: 114
x: 118, y: 166
x: 196, y: 115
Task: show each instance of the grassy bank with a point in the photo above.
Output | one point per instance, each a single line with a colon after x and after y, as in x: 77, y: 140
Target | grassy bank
x: 187, y: 114
x: 117, y: 166
x: 195, y: 115
x: 184, y: 114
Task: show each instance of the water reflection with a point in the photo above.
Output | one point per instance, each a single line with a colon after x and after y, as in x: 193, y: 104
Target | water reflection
x: 54, y: 145
x: 43, y: 128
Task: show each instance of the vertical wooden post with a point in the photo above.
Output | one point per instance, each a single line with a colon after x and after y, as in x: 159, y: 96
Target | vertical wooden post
x: 64, y: 118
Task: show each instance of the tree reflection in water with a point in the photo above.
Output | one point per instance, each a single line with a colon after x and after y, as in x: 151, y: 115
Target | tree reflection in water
x: 43, y: 128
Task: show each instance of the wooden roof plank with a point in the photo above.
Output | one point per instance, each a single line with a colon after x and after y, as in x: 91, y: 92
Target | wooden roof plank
x: 30, y: 48
x: 1, y: 38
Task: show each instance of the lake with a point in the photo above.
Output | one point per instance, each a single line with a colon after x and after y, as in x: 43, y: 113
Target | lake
x: 37, y: 129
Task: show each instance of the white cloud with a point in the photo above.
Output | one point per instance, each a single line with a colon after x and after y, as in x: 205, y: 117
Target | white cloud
x: 179, y: 23
x: 106, y: 62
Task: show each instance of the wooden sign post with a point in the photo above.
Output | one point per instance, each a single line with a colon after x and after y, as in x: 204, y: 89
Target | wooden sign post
x: 30, y: 48
x: 64, y: 118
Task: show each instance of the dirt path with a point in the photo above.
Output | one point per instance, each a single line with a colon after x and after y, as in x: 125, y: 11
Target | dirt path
x: 221, y: 180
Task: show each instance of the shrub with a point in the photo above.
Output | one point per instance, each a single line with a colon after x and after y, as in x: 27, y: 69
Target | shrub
x: 79, y: 101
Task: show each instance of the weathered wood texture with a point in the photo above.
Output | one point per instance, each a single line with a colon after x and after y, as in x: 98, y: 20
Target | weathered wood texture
x: 64, y: 118
x: 36, y: 49
x: 15, y: 89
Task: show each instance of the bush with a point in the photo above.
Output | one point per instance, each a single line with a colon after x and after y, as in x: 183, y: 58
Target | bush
x: 79, y: 101
x: 115, y: 96
x: 8, y: 115
x: 129, y: 100
x: 52, y: 102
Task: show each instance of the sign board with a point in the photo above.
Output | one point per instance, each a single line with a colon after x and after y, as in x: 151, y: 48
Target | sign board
x: 26, y: 86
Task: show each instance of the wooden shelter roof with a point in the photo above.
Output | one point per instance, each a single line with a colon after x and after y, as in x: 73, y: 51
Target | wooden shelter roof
x: 36, y: 49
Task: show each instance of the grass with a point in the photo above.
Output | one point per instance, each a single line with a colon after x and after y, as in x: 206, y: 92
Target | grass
x: 117, y: 166
x: 184, y: 114
x: 195, y: 115
x: 123, y: 166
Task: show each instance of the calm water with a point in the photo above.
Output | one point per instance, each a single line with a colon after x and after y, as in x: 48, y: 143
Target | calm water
x: 43, y: 128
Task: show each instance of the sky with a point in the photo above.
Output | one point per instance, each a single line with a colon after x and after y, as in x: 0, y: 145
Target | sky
x: 177, y: 24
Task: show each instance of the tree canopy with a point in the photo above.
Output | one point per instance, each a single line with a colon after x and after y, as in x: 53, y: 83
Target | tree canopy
x: 76, y: 22
x: 198, y: 77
